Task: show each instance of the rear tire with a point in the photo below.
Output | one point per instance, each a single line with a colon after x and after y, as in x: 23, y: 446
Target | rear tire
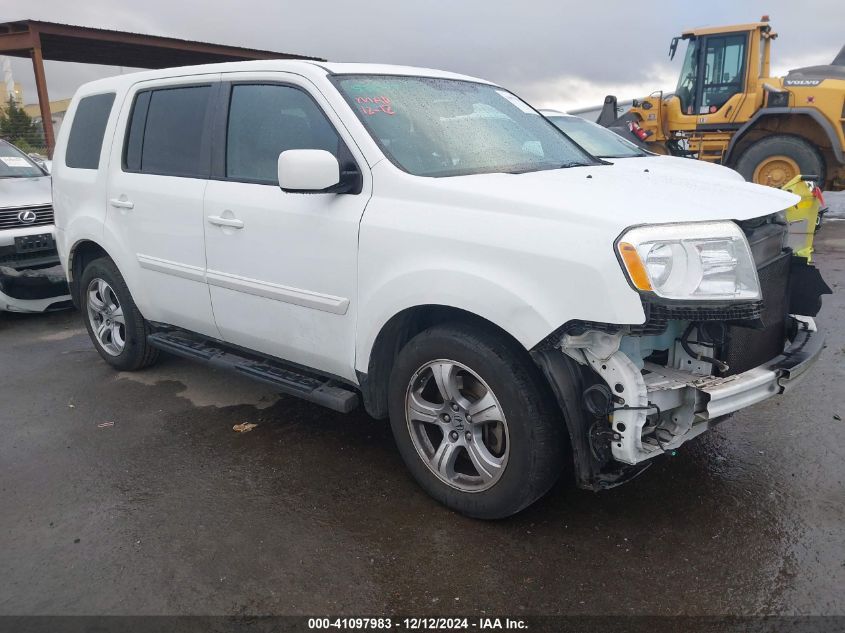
x: 113, y: 321
x: 504, y: 459
x: 775, y: 160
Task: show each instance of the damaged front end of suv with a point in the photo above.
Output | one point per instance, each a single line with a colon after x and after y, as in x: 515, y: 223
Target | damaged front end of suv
x: 729, y: 322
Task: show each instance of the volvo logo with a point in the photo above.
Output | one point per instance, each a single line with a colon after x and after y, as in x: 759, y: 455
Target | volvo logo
x: 27, y: 217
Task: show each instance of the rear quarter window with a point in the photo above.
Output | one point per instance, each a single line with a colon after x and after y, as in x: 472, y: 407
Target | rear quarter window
x: 85, y: 142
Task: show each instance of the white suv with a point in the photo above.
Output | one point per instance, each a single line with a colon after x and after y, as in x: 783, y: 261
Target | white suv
x: 429, y: 245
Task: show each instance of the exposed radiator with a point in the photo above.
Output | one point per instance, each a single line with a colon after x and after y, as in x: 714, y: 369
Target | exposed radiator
x: 746, y: 347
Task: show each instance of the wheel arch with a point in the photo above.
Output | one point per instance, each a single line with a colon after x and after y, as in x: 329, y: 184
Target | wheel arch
x: 80, y: 255
x: 396, y: 332
x: 807, y: 123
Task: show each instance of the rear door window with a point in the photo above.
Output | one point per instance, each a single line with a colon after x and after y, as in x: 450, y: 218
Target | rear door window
x: 167, y: 132
x: 85, y: 142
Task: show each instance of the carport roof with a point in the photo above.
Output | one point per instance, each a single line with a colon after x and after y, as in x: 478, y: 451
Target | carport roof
x: 68, y: 43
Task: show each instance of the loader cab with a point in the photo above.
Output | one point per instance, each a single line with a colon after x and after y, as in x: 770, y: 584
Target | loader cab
x: 714, y: 71
x: 721, y: 77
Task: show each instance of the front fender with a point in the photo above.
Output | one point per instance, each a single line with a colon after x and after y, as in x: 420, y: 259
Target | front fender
x: 477, y: 244
x: 813, y: 113
x: 526, y: 306
x: 457, y: 289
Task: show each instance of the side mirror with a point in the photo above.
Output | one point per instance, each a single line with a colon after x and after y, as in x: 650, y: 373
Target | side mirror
x: 308, y: 171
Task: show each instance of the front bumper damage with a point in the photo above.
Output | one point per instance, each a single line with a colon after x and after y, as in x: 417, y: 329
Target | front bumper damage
x: 680, y: 404
x: 726, y: 395
x: 632, y: 392
x: 33, y: 289
x: 655, y: 408
x: 31, y: 276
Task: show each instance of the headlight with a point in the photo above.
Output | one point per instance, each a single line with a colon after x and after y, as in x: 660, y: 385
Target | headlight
x: 695, y: 261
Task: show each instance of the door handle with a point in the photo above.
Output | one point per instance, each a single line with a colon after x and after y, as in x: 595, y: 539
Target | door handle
x: 119, y: 203
x: 232, y: 223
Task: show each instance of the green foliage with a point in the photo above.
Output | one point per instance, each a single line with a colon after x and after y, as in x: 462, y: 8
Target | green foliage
x: 17, y: 127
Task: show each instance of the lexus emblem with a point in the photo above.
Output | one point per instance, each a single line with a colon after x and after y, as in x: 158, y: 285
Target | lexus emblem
x: 27, y: 217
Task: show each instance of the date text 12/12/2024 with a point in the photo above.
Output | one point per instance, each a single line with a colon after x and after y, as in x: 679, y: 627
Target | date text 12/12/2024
x: 417, y: 624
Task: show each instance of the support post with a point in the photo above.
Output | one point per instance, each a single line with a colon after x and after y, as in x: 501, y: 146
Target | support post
x: 43, y: 99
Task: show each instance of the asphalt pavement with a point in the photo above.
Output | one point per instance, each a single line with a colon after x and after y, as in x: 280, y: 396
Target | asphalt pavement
x: 835, y: 201
x: 131, y: 494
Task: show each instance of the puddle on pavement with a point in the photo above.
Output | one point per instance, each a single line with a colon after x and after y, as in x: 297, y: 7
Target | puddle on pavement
x: 204, y: 386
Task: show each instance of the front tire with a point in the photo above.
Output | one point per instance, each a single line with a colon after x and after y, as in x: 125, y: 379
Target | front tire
x: 115, y: 325
x: 776, y: 160
x: 474, y: 421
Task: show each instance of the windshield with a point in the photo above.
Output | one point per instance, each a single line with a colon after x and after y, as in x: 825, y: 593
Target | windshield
x: 15, y: 164
x: 597, y: 140
x: 447, y: 127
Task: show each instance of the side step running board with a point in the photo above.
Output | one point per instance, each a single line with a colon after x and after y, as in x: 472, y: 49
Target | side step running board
x: 289, y: 380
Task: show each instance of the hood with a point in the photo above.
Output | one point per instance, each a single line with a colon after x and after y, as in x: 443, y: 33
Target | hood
x: 598, y: 195
x: 678, y: 165
x: 25, y: 192
x: 813, y: 75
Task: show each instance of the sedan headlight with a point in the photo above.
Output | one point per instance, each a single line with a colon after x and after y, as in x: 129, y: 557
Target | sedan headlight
x: 695, y: 261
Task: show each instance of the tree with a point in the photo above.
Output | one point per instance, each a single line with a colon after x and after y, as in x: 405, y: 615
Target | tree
x: 17, y: 127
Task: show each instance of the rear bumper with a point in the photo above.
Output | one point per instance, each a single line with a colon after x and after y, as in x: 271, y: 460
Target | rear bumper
x: 727, y: 395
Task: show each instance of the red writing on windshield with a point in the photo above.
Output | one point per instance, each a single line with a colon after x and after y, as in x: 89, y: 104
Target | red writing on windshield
x: 375, y: 105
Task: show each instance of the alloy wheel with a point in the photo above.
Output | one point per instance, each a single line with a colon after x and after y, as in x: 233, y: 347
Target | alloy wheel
x: 457, y: 425
x: 106, y: 317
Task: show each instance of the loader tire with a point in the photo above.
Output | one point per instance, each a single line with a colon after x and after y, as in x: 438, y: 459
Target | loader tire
x: 776, y: 160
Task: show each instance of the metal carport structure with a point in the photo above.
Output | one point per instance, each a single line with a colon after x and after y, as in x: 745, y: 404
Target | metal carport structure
x: 63, y: 42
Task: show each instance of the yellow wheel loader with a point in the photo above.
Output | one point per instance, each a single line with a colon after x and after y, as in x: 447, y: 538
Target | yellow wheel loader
x: 728, y: 109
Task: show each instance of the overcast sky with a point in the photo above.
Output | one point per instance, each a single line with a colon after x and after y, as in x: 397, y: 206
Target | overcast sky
x: 554, y: 53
